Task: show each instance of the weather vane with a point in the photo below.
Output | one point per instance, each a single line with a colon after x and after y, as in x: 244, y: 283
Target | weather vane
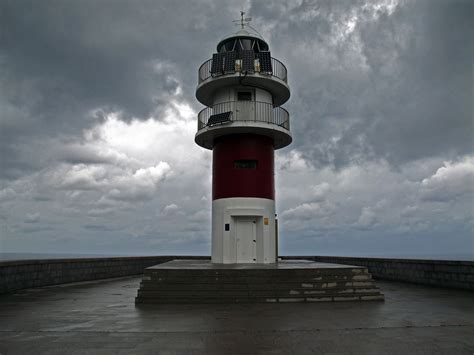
x: 243, y: 21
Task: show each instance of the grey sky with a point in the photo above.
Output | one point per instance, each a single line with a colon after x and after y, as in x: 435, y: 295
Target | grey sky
x: 98, y: 114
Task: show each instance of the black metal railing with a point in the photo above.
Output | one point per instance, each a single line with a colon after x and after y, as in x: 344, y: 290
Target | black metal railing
x: 254, y: 111
x: 278, y: 70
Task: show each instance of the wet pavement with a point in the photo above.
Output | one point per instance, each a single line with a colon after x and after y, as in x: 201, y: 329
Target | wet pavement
x: 101, y: 318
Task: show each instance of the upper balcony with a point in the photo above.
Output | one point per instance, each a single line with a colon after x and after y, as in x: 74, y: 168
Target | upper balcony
x: 235, y: 117
x: 247, y: 69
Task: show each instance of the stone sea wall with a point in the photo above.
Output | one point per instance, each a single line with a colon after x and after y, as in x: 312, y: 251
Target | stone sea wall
x: 16, y: 275
x: 439, y: 273
x: 21, y: 274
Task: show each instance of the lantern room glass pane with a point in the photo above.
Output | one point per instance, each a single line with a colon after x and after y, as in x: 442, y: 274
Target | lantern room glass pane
x: 246, y: 43
x: 262, y: 46
x: 229, y: 46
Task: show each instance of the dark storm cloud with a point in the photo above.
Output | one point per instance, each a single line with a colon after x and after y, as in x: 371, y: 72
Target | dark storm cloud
x: 428, y: 100
x: 398, y: 87
x: 84, y: 54
x: 62, y: 59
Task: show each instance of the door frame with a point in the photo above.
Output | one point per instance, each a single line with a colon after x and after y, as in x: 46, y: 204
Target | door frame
x: 230, y: 242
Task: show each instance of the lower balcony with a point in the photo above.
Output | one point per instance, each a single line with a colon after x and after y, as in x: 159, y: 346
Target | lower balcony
x: 235, y: 117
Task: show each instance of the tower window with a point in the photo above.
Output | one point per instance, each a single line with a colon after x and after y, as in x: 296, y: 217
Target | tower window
x: 244, y: 96
x: 245, y: 164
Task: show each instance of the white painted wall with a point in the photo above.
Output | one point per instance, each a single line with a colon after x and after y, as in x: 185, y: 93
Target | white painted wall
x: 263, y: 96
x: 224, y: 242
x: 230, y: 94
x: 224, y: 95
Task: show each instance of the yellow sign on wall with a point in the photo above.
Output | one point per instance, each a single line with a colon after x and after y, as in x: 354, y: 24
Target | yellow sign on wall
x: 265, y: 221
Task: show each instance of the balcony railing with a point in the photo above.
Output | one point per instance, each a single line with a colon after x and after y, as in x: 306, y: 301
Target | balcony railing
x: 253, y: 111
x: 278, y: 71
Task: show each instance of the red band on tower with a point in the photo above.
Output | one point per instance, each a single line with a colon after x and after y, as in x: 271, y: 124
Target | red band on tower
x: 243, y: 166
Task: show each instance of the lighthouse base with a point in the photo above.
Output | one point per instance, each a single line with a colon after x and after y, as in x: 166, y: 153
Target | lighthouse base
x: 243, y: 231
x: 200, y: 281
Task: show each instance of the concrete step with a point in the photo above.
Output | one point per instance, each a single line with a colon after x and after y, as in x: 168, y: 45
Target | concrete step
x: 192, y: 282
x: 187, y: 300
x: 244, y: 279
x: 256, y: 272
x: 255, y: 293
x: 150, y: 284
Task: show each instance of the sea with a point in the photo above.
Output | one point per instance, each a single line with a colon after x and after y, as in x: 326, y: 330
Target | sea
x: 33, y: 256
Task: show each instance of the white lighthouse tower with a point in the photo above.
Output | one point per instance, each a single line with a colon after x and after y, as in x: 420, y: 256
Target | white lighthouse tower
x: 243, y: 87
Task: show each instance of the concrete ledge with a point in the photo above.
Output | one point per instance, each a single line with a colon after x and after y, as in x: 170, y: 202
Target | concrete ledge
x: 21, y: 274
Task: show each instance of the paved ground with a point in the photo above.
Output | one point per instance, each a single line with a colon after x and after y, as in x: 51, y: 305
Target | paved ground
x: 101, y: 318
x: 281, y: 265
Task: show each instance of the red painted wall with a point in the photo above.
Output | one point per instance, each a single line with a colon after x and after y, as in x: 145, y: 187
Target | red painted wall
x: 228, y: 181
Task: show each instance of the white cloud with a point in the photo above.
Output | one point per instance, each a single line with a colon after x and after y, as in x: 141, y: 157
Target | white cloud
x: 167, y: 137
x: 153, y: 173
x: 366, y: 197
x: 171, y: 209
x: 7, y: 194
x: 320, y: 191
x: 293, y: 160
x: 451, y: 181
x: 82, y: 177
x: 140, y: 185
x: 367, y: 219
x: 85, y: 152
x: 302, y: 212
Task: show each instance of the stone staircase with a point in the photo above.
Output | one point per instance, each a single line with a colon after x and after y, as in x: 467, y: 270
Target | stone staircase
x: 199, y: 281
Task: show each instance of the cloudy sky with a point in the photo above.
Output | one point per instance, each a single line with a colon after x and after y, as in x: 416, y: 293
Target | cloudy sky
x: 98, y: 116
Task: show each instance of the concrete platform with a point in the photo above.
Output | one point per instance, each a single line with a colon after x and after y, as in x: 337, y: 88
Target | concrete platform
x: 190, y: 265
x: 100, y: 318
x: 200, y: 281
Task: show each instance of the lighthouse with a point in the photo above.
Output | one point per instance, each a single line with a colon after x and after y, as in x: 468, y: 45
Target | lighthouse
x: 243, y: 123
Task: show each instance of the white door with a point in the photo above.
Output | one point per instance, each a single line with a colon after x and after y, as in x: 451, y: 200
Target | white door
x: 246, y: 239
